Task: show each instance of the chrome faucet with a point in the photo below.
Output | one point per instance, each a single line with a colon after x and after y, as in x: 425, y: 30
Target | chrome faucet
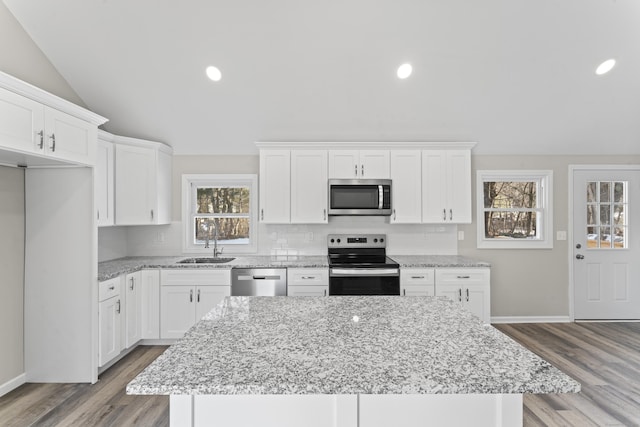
x: 216, y: 252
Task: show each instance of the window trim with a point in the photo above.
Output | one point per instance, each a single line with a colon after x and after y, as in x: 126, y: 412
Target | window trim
x: 188, y: 180
x: 545, y: 177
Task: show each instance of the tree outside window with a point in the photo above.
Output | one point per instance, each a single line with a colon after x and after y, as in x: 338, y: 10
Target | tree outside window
x: 221, y: 207
x: 514, y: 209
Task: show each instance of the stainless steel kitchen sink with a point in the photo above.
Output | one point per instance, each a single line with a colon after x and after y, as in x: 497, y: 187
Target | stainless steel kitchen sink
x: 209, y: 260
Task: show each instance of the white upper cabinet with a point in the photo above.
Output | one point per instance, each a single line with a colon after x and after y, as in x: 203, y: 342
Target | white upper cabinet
x: 361, y: 164
x: 406, y: 172
x: 40, y: 129
x: 104, y: 183
x: 309, y: 191
x: 143, y: 182
x: 446, y: 186
x: 275, y: 186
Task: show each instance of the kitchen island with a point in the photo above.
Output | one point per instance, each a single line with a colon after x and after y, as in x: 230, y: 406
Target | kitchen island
x: 347, y: 362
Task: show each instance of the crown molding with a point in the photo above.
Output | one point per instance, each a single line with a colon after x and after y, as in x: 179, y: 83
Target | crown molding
x: 358, y: 145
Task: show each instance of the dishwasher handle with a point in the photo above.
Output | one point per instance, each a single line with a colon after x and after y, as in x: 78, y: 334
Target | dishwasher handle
x: 253, y: 277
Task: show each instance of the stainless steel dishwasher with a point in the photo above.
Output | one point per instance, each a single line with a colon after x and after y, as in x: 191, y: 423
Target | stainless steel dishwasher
x: 258, y: 282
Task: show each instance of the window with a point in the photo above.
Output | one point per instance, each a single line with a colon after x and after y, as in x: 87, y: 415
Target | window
x: 606, y: 219
x: 221, y: 207
x: 514, y: 209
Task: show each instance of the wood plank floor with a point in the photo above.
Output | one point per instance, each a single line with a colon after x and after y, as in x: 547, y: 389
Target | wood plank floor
x: 604, y: 357
x: 101, y: 404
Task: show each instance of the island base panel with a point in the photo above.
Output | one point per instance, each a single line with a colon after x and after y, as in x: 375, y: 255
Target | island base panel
x: 446, y: 410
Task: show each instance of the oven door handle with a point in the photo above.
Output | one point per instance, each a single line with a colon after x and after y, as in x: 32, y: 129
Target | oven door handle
x: 346, y: 272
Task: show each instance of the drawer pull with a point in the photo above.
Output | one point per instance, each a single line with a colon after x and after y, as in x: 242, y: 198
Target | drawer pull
x: 308, y: 277
x: 417, y: 277
x: 112, y: 287
x: 463, y: 277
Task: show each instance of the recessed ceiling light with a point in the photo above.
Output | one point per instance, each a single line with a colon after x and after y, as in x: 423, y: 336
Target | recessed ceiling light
x: 214, y: 73
x: 605, y: 67
x: 404, y: 71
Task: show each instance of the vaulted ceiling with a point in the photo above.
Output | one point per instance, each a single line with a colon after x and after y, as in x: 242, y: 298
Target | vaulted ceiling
x: 516, y: 76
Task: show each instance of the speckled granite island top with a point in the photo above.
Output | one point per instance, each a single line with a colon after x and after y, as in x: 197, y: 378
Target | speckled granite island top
x: 346, y: 345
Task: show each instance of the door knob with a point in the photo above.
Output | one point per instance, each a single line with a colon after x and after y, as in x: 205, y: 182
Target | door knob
x: 579, y: 256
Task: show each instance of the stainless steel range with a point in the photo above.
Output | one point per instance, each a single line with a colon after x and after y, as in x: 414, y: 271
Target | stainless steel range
x: 358, y: 265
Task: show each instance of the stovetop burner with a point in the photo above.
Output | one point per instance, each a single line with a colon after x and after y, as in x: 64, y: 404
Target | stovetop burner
x: 359, y: 251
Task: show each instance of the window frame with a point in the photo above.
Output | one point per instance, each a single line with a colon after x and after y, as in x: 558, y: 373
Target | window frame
x: 190, y: 182
x: 544, y: 199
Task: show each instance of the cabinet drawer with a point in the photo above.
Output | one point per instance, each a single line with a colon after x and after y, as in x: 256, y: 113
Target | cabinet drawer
x: 464, y: 276
x: 109, y: 288
x: 417, y: 276
x: 196, y: 277
x: 307, y: 277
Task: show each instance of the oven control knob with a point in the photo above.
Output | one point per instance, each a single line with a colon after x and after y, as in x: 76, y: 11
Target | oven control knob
x: 381, y: 240
x: 375, y: 240
x: 332, y: 240
x: 338, y: 240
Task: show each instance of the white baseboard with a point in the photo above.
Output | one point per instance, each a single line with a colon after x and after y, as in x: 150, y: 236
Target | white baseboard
x: 12, y: 384
x: 530, y: 319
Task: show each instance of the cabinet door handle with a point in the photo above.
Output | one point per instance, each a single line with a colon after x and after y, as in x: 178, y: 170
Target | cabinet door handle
x: 325, y: 292
x: 324, y: 214
x: 199, y: 296
x: 118, y: 306
x: 191, y: 295
x: 460, y: 294
x: 355, y: 170
x: 262, y: 214
x: 467, y: 294
x: 463, y: 277
x: 132, y: 282
x: 151, y: 214
x: 53, y: 142
x: 404, y: 292
x: 362, y: 171
x: 444, y: 214
x: 98, y: 215
x: 41, y: 135
x: 450, y: 214
x: 394, y: 214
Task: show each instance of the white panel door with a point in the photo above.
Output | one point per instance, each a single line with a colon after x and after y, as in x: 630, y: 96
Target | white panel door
x: 344, y: 164
x: 374, y: 164
x: 606, y: 244
x: 21, y: 123
x: 208, y: 297
x: 69, y: 138
x: 135, y: 185
x: 275, y: 186
x: 459, y: 186
x: 177, y: 312
x: 103, y: 182
x: 109, y: 329
x: 133, y: 318
x: 309, y: 190
x: 406, y: 178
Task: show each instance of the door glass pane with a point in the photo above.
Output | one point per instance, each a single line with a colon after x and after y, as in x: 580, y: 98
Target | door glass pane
x: 591, y: 192
x: 606, y: 221
x: 604, y: 192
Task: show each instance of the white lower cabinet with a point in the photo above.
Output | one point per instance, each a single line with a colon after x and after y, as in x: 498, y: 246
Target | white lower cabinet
x: 109, y: 320
x: 469, y: 286
x: 133, y: 304
x: 187, y: 295
x: 150, y: 316
x: 417, y: 282
x: 307, y: 282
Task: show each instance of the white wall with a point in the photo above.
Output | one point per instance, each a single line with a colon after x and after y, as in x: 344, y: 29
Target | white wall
x: 11, y: 273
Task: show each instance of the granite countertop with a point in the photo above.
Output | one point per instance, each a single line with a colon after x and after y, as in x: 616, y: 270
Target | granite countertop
x: 346, y: 345
x: 114, y: 268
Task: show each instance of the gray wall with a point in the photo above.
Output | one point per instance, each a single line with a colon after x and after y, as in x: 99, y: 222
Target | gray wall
x: 11, y: 273
x: 532, y: 282
x: 21, y: 58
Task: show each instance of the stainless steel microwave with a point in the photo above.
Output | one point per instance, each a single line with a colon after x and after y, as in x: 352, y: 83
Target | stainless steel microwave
x: 359, y: 197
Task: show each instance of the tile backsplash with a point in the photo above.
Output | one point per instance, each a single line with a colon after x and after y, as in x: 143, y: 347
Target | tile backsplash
x: 285, y: 239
